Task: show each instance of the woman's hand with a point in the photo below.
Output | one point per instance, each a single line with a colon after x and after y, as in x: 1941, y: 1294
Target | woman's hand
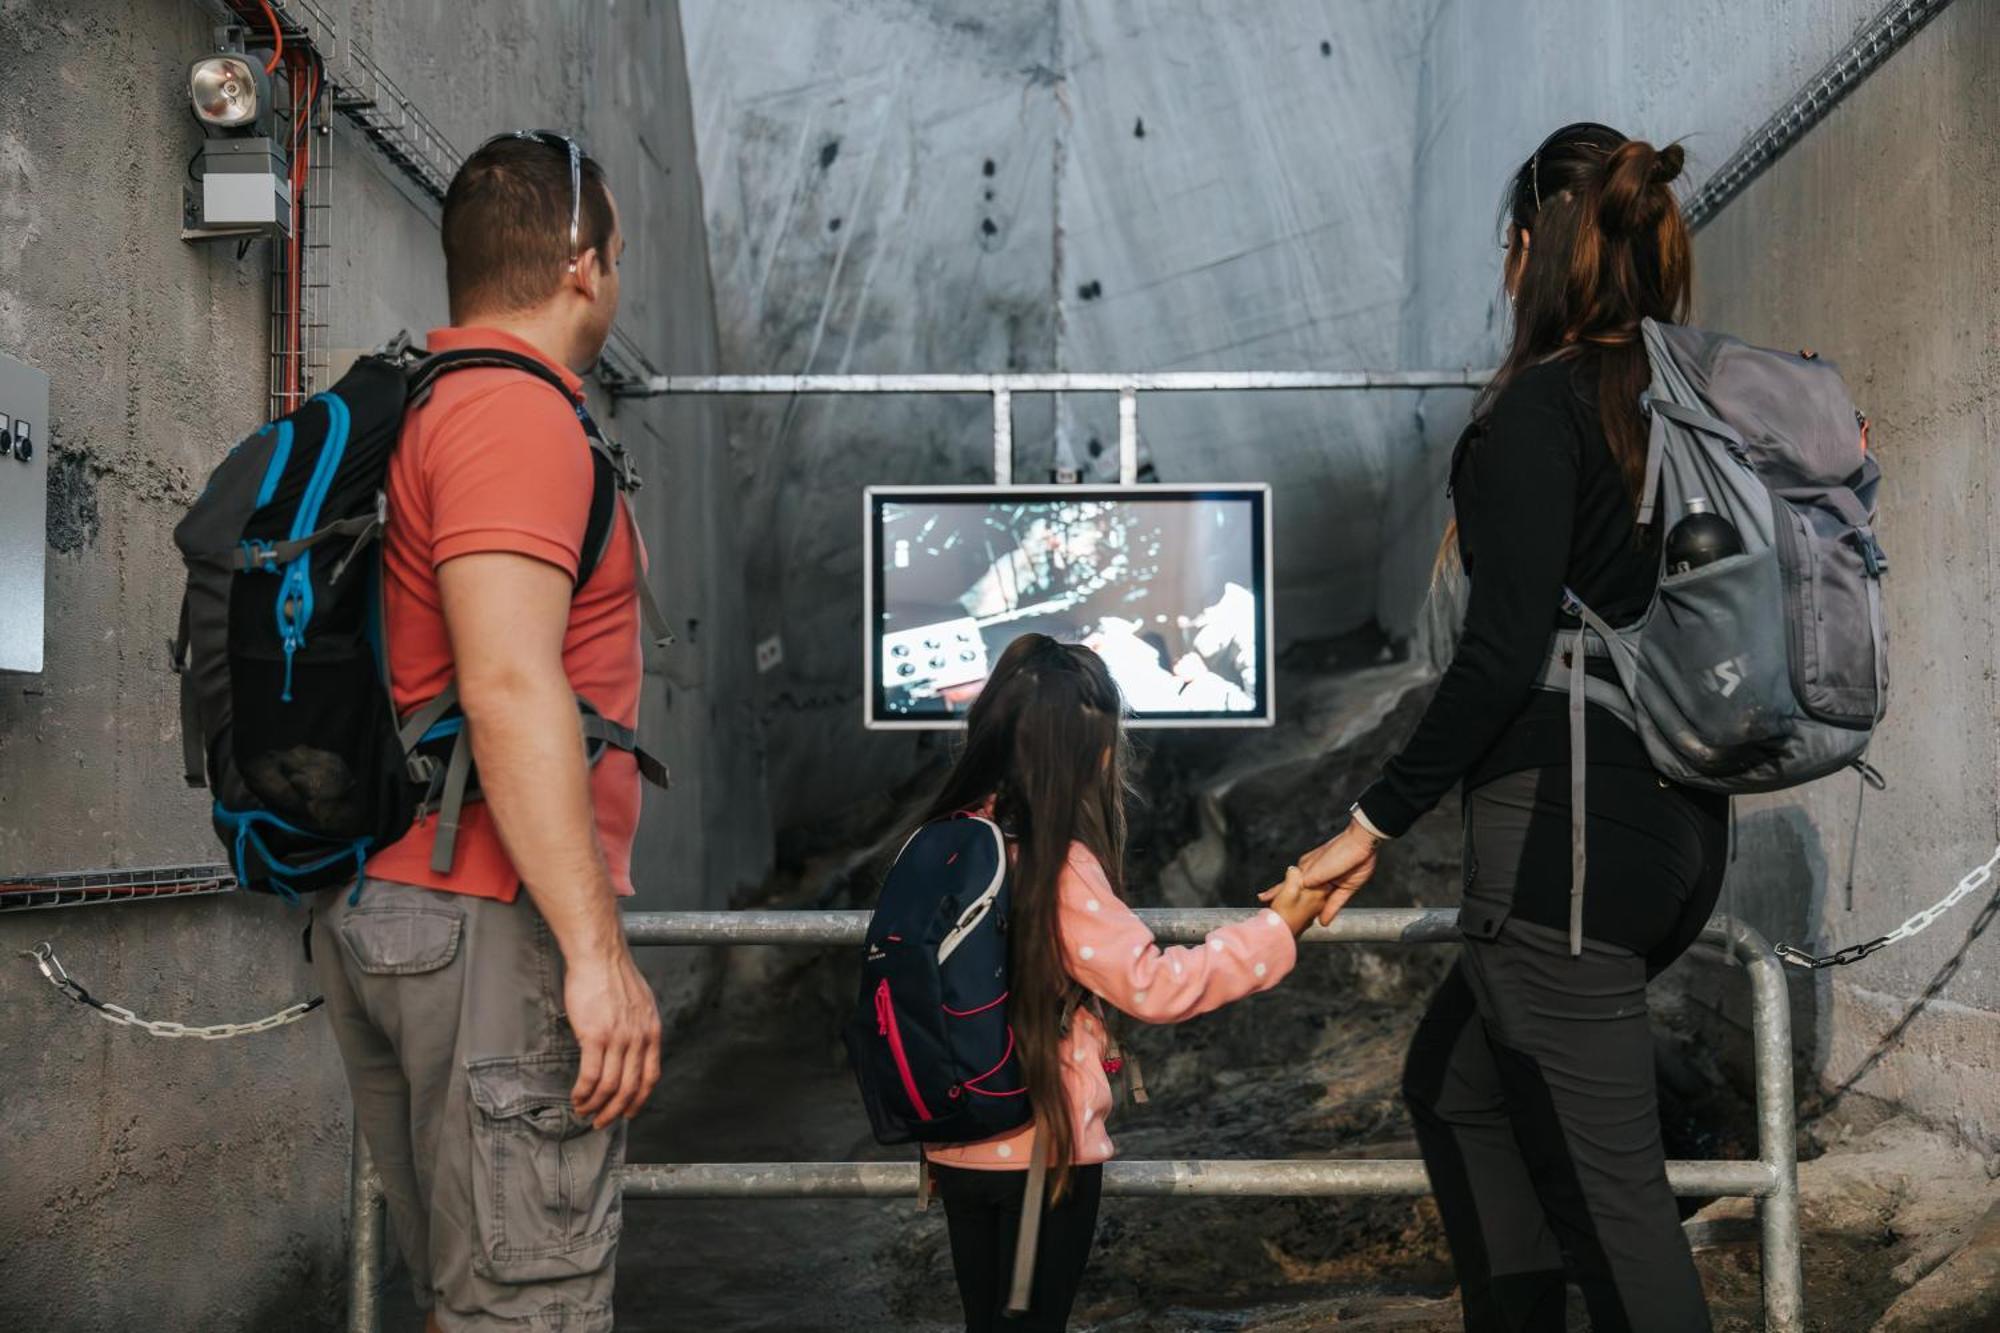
x: 1341, y: 864
x: 1294, y: 900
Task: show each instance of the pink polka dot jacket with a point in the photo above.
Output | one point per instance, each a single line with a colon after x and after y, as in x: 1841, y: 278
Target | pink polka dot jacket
x: 1111, y: 954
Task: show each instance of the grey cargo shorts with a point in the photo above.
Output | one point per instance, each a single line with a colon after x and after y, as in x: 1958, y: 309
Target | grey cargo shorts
x: 448, y: 1012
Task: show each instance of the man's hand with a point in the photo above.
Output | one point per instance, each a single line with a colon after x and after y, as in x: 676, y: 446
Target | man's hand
x: 617, y: 1022
x: 507, y: 615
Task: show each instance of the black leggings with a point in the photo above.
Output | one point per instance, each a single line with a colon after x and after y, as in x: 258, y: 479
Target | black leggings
x: 982, y: 1210
x: 1531, y: 1077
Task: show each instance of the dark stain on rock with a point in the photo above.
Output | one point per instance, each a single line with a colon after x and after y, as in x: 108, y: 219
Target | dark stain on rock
x: 988, y: 169
x: 833, y: 224
x: 1139, y: 128
x: 1091, y: 290
x: 828, y: 151
x: 1326, y: 48
x: 73, y: 521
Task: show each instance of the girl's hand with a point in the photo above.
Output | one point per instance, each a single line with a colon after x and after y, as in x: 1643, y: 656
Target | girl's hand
x: 1294, y: 900
x: 1342, y: 864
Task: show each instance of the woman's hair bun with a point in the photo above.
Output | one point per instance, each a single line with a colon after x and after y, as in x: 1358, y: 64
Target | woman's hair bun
x: 1667, y: 164
x: 1632, y: 186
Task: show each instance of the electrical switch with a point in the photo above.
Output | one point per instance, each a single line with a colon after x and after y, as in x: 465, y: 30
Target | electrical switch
x: 24, y: 446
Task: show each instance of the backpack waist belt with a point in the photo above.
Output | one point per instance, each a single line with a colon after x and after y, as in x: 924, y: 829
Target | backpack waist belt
x: 451, y: 781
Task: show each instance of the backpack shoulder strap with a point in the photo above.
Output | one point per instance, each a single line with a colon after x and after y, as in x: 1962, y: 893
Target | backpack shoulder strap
x: 424, y: 375
x: 606, y: 481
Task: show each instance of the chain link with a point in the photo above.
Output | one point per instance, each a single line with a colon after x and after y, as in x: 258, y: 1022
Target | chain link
x: 44, y: 956
x: 1975, y: 879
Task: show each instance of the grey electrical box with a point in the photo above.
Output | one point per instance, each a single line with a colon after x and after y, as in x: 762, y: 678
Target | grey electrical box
x: 243, y: 191
x: 24, y: 512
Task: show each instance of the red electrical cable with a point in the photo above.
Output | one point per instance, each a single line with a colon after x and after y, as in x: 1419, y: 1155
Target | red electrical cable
x: 277, y: 33
x: 304, y: 70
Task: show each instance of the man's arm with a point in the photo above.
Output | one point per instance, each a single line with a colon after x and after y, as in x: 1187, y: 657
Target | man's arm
x: 506, y: 615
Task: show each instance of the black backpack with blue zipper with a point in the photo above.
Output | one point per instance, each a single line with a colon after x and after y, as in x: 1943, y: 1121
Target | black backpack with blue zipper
x: 286, y: 714
x: 930, y: 1042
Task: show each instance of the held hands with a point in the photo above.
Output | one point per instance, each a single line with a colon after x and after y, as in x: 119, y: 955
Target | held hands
x: 1294, y: 900
x: 1339, y: 867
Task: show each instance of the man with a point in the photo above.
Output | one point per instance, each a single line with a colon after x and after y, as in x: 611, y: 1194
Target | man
x: 497, y: 1042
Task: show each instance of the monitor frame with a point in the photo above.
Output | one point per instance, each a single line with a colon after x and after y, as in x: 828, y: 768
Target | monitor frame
x: 873, y: 717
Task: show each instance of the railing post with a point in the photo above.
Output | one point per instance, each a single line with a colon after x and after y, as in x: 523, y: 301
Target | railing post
x: 1003, y: 436
x: 1777, y: 1142
x: 364, y: 1242
x: 1128, y: 436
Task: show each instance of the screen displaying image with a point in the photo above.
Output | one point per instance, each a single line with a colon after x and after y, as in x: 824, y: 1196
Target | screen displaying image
x: 1167, y: 584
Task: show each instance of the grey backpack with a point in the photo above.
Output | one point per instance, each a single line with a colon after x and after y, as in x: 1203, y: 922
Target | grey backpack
x: 1765, y: 669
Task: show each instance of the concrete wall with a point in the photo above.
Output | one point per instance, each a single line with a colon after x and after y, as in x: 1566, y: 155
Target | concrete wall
x: 958, y: 186
x: 155, y: 1184
x: 1873, y: 242
x: 1885, y: 228
x: 1493, y: 79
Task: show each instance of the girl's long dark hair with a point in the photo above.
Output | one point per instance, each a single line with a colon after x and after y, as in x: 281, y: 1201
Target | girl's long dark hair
x: 1044, y: 742
x: 1595, y: 243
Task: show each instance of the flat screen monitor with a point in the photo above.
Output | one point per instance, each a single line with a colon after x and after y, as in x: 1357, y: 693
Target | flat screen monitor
x: 1169, y: 584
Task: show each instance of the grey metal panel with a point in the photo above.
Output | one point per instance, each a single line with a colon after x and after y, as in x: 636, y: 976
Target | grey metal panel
x: 24, y: 515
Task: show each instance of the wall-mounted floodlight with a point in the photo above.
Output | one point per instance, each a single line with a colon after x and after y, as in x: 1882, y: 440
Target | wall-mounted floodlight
x: 243, y: 182
x: 228, y: 91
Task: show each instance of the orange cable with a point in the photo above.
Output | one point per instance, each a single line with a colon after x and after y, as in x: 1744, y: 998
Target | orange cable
x: 276, y: 32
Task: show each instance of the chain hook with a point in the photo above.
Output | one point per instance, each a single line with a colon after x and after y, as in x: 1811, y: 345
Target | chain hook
x: 45, y: 958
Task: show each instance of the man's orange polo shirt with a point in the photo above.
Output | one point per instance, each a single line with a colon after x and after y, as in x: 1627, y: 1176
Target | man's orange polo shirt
x: 496, y: 460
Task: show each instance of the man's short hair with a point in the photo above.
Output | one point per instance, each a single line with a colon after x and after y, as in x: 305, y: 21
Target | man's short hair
x: 506, y: 225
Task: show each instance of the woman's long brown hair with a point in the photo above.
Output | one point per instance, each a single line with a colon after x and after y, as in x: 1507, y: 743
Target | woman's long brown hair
x: 1595, y: 243
x: 1044, y: 741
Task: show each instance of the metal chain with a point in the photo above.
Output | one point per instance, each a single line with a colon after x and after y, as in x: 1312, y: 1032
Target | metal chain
x: 44, y: 955
x: 1974, y: 880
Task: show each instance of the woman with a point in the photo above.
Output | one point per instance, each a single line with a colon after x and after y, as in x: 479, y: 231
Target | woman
x: 1044, y: 758
x: 1531, y: 1075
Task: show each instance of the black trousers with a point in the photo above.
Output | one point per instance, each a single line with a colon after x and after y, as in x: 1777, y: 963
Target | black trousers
x: 1531, y: 1076
x: 982, y: 1211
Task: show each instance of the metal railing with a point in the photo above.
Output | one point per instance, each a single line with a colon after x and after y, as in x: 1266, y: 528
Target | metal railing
x: 1002, y: 388
x: 1771, y: 1178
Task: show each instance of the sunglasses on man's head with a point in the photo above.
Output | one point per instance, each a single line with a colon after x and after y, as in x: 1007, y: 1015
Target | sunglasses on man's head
x: 564, y: 144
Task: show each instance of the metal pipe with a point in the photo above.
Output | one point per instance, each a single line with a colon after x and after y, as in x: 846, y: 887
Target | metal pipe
x: 1003, y: 437
x: 1283, y: 1179
x: 1128, y: 437
x: 1772, y: 1178
x: 1777, y: 1144
x: 364, y: 1243
x: 1161, y: 381
x: 1356, y: 925
x: 1877, y: 40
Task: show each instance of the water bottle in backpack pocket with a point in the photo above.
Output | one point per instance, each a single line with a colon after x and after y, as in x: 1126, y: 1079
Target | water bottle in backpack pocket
x: 1762, y: 662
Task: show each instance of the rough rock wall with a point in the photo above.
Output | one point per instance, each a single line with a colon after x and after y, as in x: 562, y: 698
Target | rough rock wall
x: 936, y: 187
x: 177, y: 1185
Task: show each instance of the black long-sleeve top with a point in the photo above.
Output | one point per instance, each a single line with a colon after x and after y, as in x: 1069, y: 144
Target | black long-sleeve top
x: 1541, y: 506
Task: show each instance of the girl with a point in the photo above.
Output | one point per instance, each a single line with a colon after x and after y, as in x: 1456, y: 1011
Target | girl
x: 1531, y: 1075
x: 1044, y: 758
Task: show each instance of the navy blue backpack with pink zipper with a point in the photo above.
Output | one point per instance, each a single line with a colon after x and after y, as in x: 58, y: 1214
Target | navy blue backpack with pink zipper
x: 930, y: 1042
